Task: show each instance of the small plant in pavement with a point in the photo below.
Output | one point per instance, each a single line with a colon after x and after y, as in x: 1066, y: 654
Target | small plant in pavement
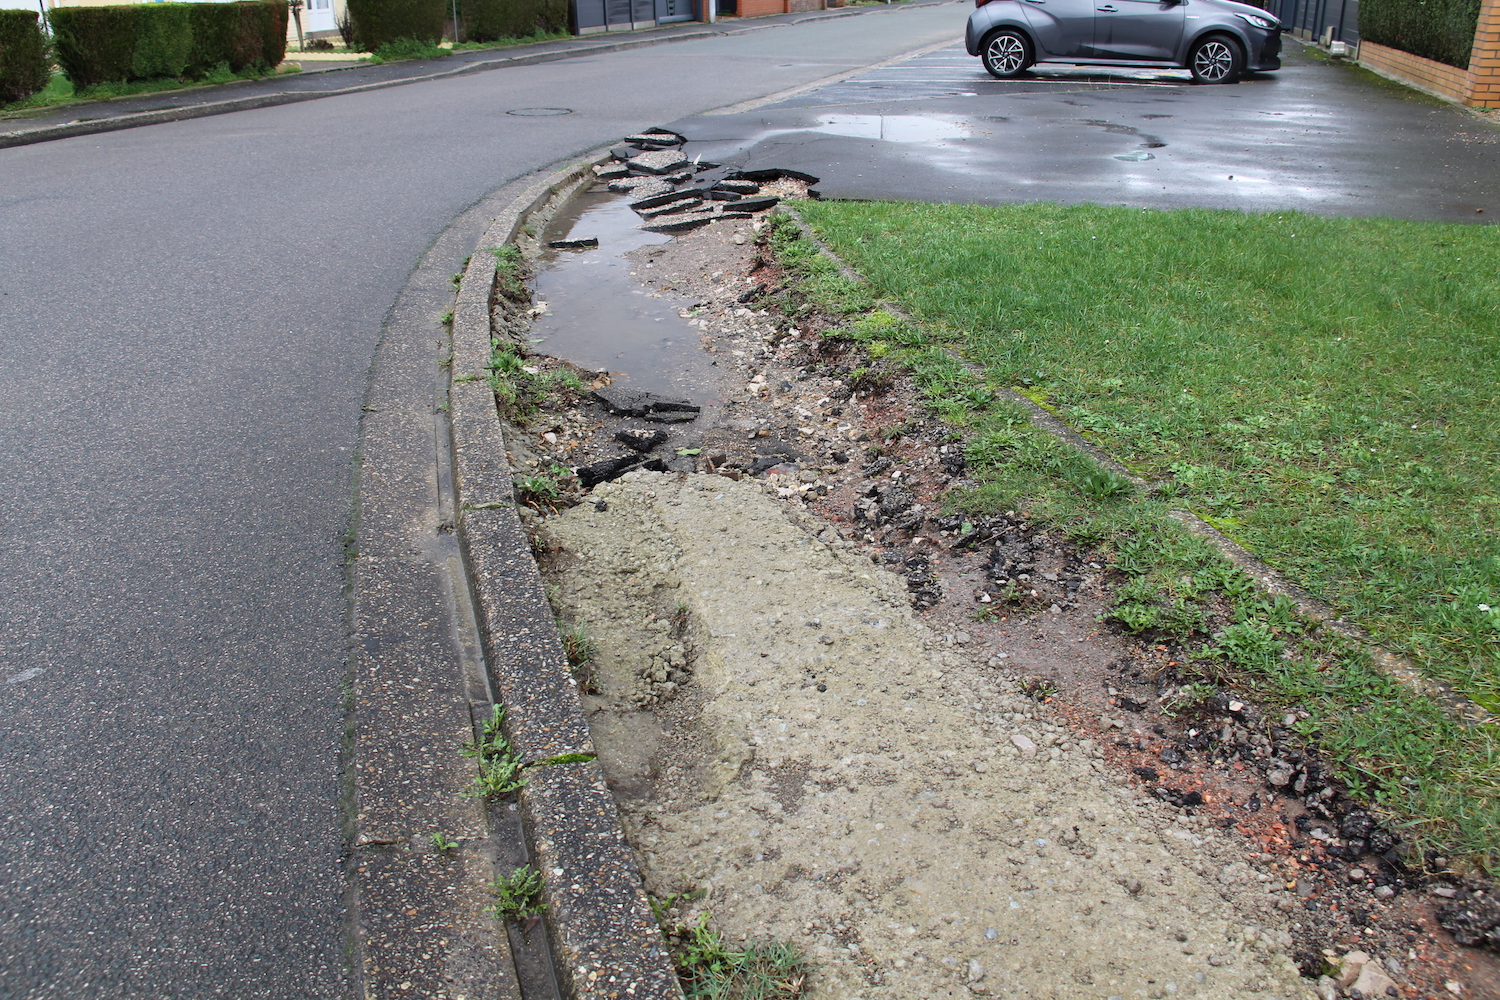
x: 518, y: 896
x: 500, y: 767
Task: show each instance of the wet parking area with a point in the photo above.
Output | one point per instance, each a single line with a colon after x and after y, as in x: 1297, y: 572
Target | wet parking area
x: 1316, y: 136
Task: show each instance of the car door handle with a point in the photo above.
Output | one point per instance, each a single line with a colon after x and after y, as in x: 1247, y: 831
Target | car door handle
x: 1108, y: 7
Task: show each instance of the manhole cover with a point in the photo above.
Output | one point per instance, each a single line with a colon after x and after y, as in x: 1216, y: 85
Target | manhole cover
x: 539, y: 112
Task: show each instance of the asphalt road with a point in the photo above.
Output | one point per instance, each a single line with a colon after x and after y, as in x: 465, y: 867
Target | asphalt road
x: 188, y: 313
x: 1315, y: 136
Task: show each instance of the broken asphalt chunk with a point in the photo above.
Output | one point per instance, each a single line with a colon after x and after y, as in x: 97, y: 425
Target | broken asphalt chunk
x: 755, y: 204
x: 585, y: 243
x: 678, y: 225
x: 657, y: 161
x: 610, y: 469
x: 664, y: 198
x: 638, y: 403
x: 640, y: 440
x: 680, y: 205
x: 774, y: 174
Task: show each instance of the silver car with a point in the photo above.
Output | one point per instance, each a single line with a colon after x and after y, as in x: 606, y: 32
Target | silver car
x: 1217, y: 40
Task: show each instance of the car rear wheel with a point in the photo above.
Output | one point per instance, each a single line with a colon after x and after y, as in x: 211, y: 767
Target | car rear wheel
x: 1216, y: 59
x: 1006, y: 54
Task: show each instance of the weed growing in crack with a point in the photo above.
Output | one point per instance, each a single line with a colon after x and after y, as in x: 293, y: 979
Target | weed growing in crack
x: 442, y: 842
x: 510, y: 272
x: 579, y: 646
x: 500, y: 767
x: 709, y: 969
x: 518, y: 896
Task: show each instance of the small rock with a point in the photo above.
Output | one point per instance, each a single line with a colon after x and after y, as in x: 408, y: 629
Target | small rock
x: 1025, y: 745
x: 582, y: 243
x: 1384, y: 892
x: 976, y: 971
x: 1356, y: 874
x: 1372, y: 982
x: 1350, y: 967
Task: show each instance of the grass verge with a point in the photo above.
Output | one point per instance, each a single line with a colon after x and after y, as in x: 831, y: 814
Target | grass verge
x: 1322, y: 390
x: 59, y: 89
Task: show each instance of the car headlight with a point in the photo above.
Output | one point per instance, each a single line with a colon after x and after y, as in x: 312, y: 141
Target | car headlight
x: 1261, y: 22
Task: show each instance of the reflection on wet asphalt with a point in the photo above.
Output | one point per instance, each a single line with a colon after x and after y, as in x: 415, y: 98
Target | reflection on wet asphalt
x: 1315, y: 136
x: 599, y: 316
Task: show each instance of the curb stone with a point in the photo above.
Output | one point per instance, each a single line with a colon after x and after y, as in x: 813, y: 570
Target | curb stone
x: 604, y: 938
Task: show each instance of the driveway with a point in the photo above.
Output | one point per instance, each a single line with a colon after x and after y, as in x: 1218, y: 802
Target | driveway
x: 188, y: 314
x: 1315, y: 136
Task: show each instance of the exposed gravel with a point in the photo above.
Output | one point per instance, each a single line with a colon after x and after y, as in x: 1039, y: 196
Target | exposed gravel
x: 875, y: 785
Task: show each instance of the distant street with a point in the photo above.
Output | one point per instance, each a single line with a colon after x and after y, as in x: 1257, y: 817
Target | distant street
x: 187, y: 316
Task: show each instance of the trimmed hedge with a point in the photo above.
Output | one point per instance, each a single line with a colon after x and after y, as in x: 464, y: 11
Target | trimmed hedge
x: 1438, y: 29
x: 378, y: 22
x: 492, y: 20
x: 188, y: 40
x: 23, y: 55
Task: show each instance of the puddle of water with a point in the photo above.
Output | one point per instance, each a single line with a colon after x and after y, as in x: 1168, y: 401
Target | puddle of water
x: 600, y: 317
x: 895, y: 128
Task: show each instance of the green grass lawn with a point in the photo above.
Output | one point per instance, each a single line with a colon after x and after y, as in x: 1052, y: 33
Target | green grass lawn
x: 1325, y: 391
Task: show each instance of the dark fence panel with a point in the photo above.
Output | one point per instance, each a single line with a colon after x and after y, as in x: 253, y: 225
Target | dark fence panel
x: 1311, y: 18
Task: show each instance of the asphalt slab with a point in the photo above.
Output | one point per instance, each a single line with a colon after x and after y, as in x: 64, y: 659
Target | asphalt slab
x: 1316, y: 136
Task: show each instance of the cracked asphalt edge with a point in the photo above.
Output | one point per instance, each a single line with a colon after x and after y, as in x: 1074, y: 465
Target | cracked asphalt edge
x: 605, y: 940
x: 25, y: 137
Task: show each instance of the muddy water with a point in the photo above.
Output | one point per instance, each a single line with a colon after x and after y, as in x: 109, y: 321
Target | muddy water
x: 598, y: 313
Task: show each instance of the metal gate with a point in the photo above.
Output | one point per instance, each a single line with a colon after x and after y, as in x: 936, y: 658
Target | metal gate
x: 616, y: 15
x: 1319, y: 20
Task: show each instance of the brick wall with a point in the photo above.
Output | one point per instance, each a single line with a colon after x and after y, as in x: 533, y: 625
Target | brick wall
x: 760, y: 8
x: 1477, y: 87
x: 1484, y: 64
x: 803, y: 6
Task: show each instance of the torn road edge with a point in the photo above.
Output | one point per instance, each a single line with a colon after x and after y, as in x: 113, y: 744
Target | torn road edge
x: 605, y: 940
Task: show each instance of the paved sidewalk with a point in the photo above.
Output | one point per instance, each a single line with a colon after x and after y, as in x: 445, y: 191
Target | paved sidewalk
x: 149, y: 109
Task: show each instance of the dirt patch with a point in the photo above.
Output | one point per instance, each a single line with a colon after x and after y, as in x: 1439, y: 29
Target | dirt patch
x: 905, y: 741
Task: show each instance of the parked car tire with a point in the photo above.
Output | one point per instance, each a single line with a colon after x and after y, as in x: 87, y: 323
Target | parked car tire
x: 1006, y: 54
x: 1216, y: 59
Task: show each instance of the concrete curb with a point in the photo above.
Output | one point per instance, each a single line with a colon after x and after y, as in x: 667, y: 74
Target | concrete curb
x: 47, y: 133
x: 604, y: 938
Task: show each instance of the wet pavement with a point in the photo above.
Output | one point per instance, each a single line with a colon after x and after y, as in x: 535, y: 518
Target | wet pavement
x: 1317, y: 136
x: 599, y: 316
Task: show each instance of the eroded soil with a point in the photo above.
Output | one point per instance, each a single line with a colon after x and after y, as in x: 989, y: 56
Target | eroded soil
x: 838, y: 716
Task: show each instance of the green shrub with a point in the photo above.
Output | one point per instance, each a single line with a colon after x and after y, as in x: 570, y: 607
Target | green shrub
x: 492, y: 20
x: 407, y: 48
x: 380, y: 22
x: 144, y: 41
x: 1438, y: 29
x: 163, y: 43
x: 23, y: 55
